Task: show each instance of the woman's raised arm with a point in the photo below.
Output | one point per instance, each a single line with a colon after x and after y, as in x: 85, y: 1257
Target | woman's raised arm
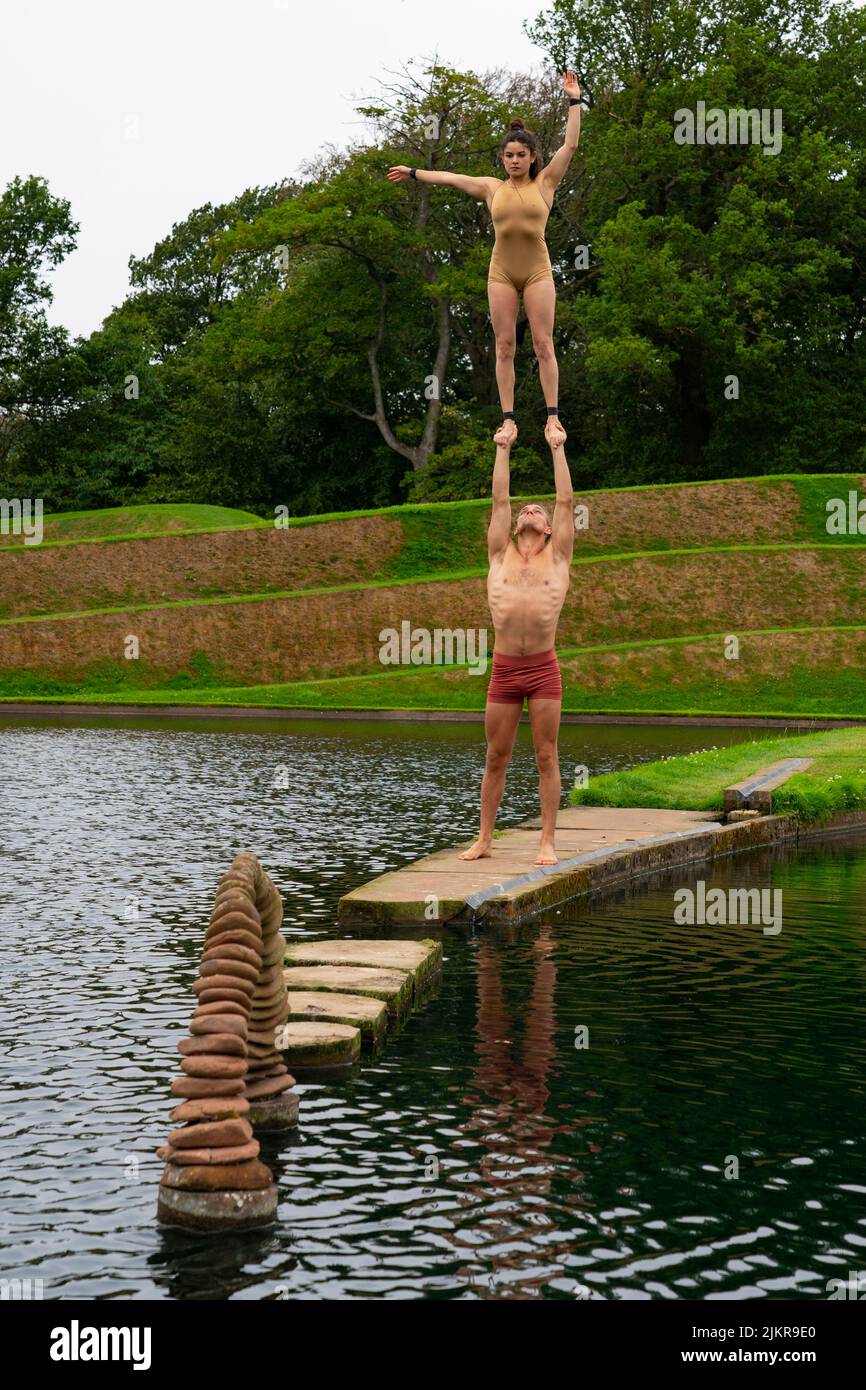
x: 553, y: 172
x: 475, y: 187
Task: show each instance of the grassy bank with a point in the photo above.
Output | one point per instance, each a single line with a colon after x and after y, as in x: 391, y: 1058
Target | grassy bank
x: 229, y: 609
x: 788, y: 673
x: 124, y: 523
x: 835, y: 783
x: 782, y: 507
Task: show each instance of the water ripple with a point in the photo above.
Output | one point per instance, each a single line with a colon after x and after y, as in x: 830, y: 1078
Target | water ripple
x: 483, y: 1154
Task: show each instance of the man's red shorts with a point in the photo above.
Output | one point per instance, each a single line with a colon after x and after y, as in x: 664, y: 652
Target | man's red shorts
x: 518, y: 678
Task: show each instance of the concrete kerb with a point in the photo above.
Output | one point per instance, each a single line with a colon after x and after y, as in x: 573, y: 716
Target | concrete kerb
x: 606, y: 868
x: 550, y: 886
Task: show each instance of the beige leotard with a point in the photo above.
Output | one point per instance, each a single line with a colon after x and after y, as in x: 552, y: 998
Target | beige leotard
x: 520, y: 255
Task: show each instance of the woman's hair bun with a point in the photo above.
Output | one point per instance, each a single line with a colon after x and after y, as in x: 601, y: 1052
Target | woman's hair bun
x: 517, y: 124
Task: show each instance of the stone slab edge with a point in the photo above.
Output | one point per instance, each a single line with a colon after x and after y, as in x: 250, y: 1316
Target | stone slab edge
x: 703, y: 845
x: 398, y: 1002
x: 419, y: 974
x: 755, y: 792
x: 372, y: 1027
x: 612, y: 869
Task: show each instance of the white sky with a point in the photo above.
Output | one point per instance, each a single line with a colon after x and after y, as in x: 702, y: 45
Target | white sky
x: 227, y: 94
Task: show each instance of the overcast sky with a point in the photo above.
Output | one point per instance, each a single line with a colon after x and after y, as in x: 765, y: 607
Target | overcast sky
x: 138, y: 113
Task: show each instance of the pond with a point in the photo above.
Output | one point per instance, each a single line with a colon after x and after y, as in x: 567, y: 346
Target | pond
x: 482, y: 1153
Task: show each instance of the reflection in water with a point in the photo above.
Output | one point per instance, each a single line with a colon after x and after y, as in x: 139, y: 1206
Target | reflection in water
x: 482, y: 1154
x: 516, y: 1051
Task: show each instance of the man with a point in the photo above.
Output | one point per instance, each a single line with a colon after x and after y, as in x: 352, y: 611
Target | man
x: 526, y: 586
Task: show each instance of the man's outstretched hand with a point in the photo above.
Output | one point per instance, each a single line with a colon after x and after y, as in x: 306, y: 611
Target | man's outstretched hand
x: 554, y: 433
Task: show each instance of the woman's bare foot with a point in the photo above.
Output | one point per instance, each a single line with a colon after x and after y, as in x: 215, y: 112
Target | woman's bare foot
x: 507, y: 433
x: 546, y: 855
x: 480, y: 850
x: 554, y: 432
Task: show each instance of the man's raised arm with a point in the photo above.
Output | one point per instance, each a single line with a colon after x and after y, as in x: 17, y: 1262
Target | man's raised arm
x: 562, y: 538
x: 499, y: 530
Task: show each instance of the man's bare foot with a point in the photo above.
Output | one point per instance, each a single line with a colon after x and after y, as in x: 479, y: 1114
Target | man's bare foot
x: 554, y: 432
x: 507, y: 433
x: 480, y: 850
x: 546, y: 855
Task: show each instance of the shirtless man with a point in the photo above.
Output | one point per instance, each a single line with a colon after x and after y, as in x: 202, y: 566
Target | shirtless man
x: 526, y: 586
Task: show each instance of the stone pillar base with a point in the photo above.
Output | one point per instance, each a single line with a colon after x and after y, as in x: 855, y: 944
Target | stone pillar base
x: 217, y: 1211
x: 274, y: 1112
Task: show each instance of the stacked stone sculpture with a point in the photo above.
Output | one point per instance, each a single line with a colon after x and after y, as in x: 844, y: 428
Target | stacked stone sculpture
x: 234, y: 1079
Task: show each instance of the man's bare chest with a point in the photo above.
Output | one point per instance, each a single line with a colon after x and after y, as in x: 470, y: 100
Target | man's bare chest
x: 515, y: 574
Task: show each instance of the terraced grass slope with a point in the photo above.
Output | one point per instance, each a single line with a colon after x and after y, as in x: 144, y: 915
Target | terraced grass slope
x: 663, y: 579
x: 165, y: 554
x: 150, y: 519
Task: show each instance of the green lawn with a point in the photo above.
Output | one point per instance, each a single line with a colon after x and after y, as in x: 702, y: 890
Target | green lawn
x: 679, y: 677
x: 446, y: 535
x: 849, y: 565
x: 817, y: 676
x: 835, y: 783
x: 123, y: 523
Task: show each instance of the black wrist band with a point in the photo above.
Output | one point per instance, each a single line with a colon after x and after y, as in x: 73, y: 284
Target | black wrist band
x: 575, y: 101
x: 413, y: 173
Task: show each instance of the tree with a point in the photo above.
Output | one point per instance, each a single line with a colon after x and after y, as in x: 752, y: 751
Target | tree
x: 111, y: 434
x: 724, y: 284
x: 326, y: 343
x: 180, y: 289
x: 386, y: 285
x: 36, y: 233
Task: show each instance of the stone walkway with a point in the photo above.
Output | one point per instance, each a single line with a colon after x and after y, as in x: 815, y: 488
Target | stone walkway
x: 510, y: 886
x: 344, y: 995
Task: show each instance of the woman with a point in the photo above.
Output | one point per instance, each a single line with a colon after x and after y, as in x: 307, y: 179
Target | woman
x: 520, y: 205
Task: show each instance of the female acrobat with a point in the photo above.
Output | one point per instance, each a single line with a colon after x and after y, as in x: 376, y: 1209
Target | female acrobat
x: 520, y: 264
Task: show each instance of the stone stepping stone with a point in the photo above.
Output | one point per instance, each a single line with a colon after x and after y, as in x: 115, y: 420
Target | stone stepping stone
x: 420, y: 959
x: 755, y: 793
x: 392, y: 986
x: 318, y: 1044
x: 369, y: 1016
